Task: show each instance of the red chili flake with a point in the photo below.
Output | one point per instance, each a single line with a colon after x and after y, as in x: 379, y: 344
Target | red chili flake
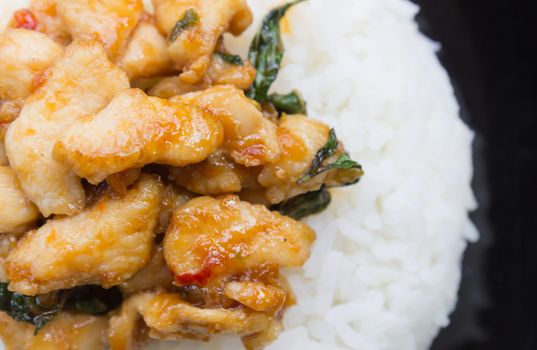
x: 25, y: 19
x: 200, y: 278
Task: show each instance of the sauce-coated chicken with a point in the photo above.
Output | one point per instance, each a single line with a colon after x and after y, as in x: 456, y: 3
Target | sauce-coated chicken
x: 106, y: 244
x: 147, y: 53
x: 134, y: 130
x: 300, y: 138
x: 23, y: 54
x: 73, y: 89
x: 214, y: 238
x: 192, y: 47
x: 16, y: 210
x: 250, y: 139
x: 111, y: 22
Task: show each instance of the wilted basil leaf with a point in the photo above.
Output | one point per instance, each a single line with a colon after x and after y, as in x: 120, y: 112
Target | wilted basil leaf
x: 344, y: 162
x: 292, y: 103
x: 231, y: 59
x: 28, y: 309
x: 266, y: 53
x: 189, y: 19
x: 305, y: 204
x: 92, y: 300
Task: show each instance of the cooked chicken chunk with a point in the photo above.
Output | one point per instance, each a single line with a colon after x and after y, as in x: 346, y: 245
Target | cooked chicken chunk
x: 147, y: 53
x: 111, y: 22
x: 214, y: 176
x: 219, y: 73
x: 74, y: 88
x: 300, y: 138
x: 67, y: 331
x: 134, y: 130
x: 250, y: 139
x: 3, y: 156
x: 169, y: 317
x: 155, y: 275
x: 203, y: 23
x: 256, y: 295
x: 105, y: 244
x: 7, y: 243
x: 211, y: 238
x: 16, y: 210
x: 23, y: 54
x: 48, y: 22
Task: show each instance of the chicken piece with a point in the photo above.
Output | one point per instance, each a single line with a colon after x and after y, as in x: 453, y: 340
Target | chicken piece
x: 105, y: 244
x: 120, y: 182
x: 23, y: 54
x: 256, y: 295
x: 250, y: 139
x: 155, y: 275
x: 169, y: 317
x: 204, y: 21
x: 48, y: 22
x: 214, y: 238
x: 3, y: 156
x: 111, y: 22
x: 172, y: 199
x: 300, y: 138
x: 9, y: 111
x: 7, y: 243
x: 16, y: 210
x: 147, y: 53
x: 135, y: 130
x: 219, y: 73
x: 67, y: 331
x: 73, y: 89
x: 214, y: 176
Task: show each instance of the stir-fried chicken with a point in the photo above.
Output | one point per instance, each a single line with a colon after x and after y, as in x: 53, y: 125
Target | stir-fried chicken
x: 74, y: 88
x: 147, y: 53
x: 106, y: 244
x: 16, y: 210
x: 194, y: 28
x: 214, y: 238
x: 214, y: 176
x: 111, y: 22
x: 219, y: 72
x: 23, y: 54
x: 250, y: 138
x: 135, y: 130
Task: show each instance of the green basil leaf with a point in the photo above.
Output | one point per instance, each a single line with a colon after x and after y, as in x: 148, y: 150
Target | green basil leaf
x: 231, y: 59
x: 305, y: 204
x: 344, y: 163
x: 266, y: 53
x: 189, y: 19
x: 92, y: 300
x: 292, y: 103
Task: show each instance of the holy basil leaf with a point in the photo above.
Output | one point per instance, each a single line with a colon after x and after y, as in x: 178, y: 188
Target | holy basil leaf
x: 305, y: 204
x: 292, y: 103
x: 343, y: 162
x: 28, y: 309
x: 266, y: 53
x: 92, y: 300
x: 189, y: 19
x: 327, y: 151
x: 231, y: 59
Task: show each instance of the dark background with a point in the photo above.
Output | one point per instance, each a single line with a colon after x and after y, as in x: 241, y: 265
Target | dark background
x: 488, y: 50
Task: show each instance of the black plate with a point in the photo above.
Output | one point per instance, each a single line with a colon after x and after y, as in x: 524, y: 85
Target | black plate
x: 488, y: 51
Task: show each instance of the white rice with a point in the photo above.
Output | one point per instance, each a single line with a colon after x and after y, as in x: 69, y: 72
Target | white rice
x: 385, y: 269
